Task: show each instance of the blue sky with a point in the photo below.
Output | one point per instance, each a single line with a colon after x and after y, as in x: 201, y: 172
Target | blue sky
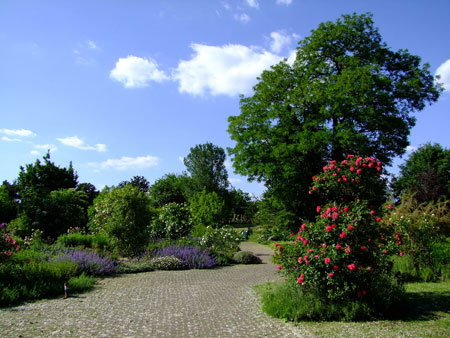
x: 127, y: 87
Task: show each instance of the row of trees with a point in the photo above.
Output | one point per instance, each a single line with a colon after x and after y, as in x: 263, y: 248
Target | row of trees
x: 49, y: 198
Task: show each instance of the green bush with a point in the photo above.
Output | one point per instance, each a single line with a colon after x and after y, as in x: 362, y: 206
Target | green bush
x: 207, y: 209
x: 246, y: 257
x: 124, y: 215
x: 134, y: 267
x: 81, y: 284
x: 29, y: 278
x: 223, y: 243
x: 173, y: 221
x: 76, y: 239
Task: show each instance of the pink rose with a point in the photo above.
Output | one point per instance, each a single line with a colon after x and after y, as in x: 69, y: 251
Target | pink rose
x: 351, y: 267
x: 327, y: 260
x: 278, y: 267
x: 338, y: 246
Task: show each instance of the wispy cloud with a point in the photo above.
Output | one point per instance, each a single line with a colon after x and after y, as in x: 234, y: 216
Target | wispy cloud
x: 444, y: 73
x: 242, y: 17
x: 91, y: 44
x: 76, y: 142
x: 7, y: 139
x: 135, y: 72
x: 284, y: 2
x: 253, y: 3
x: 39, y: 149
x: 18, y: 132
x: 228, y: 69
x: 281, y: 40
x: 411, y: 149
x: 126, y: 163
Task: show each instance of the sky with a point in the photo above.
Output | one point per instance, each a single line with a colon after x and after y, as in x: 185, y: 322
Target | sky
x: 127, y: 87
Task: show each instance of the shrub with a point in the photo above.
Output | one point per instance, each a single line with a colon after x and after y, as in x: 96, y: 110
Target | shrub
x: 173, y: 221
x: 222, y: 243
x: 246, y: 257
x: 344, y: 256
x: 8, y: 246
x: 167, y: 263
x: 76, y: 239
x: 191, y: 257
x: 124, y: 215
x: 81, y: 283
x: 89, y: 262
x: 134, y: 267
x: 207, y: 209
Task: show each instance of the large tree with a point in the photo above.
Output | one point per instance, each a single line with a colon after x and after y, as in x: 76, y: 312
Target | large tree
x: 426, y: 174
x: 346, y: 93
x: 206, y: 165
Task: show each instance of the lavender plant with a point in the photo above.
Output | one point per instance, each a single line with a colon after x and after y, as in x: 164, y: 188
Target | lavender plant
x: 191, y: 257
x: 88, y: 261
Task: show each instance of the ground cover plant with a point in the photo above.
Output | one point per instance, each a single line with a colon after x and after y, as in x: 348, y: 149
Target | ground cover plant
x: 340, y: 264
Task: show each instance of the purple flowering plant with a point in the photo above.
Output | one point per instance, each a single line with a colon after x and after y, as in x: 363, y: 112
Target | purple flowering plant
x: 88, y: 261
x: 192, y: 257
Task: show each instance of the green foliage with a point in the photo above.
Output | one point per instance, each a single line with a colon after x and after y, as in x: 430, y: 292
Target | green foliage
x: 347, y: 92
x: 124, y: 215
x: 206, y: 165
x: 167, y: 263
x: 426, y: 174
x: 8, y: 205
x: 29, y: 276
x: 223, y: 243
x: 76, y: 239
x: 134, y: 267
x: 139, y: 182
x: 207, y: 209
x: 80, y: 284
x: 171, y: 188
x: 344, y: 256
x: 246, y: 257
x: 173, y: 221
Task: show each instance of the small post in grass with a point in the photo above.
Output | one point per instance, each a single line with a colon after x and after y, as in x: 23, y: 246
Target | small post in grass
x: 65, y: 290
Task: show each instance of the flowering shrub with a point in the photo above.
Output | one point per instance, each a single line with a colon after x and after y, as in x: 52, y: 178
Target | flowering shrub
x: 222, y: 243
x: 345, y: 256
x: 191, y: 257
x: 173, y: 221
x: 88, y: 261
x: 7, y: 245
x: 167, y: 263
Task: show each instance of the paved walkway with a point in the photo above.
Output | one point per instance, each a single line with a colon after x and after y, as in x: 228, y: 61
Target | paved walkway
x: 193, y: 303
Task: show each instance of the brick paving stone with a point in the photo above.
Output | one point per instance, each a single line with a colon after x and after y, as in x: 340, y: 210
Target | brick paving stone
x: 193, y: 303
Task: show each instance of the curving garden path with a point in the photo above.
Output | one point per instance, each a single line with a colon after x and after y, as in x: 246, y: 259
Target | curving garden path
x: 192, y: 303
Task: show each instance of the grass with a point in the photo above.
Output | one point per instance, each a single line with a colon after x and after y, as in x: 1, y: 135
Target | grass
x: 425, y: 313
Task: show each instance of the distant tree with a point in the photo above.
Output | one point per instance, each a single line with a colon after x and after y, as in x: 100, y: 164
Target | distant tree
x: 346, y: 93
x: 8, y: 203
x: 137, y: 181
x: 206, y: 165
x: 170, y: 188
x: 208, y: 209
x: 426, y: 174
x: 90, y: 191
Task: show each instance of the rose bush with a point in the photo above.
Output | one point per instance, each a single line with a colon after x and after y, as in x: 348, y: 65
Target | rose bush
x: 7, y: 244
x: 344, y: 256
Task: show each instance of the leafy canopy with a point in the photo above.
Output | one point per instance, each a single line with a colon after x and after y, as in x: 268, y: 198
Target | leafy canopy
x: 346, y: 92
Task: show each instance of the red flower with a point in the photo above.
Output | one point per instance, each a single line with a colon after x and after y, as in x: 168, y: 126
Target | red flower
x: 343, y: 234
x: 318, y: 209
x: 401, y: 254
x: 299, y: 259
x: 350, y: 227
x: 378, y: 219
x: 335, y: 215
x: 351, y: 267
x: 278, y: 267
x: 352, y: 168
x: 347, y: 249
x: 364, y: 248
x: 335, y: 268
x: 338, y: 246
x: 276, y: 244
x: 300, y: 280
x: 372, y: 212
x: 329, y: 228
x: 359, y: 171
x: 390, y: 206
x: 327, y: 260
x: 346, y: 209
x: 291, y: 234
x: 330, y: 274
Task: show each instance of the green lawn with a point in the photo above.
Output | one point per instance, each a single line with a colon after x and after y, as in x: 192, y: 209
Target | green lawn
x: 426, y: 313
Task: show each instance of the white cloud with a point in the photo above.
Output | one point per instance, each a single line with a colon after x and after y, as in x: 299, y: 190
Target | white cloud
x: 234, y: 180
x: 284, y: 2
x: 74, y: 141
x: 253, y: 3
x: 226, y: 5
x: 244, y: 18
x: 18, y: 132
x: 181, y: 158
x: 281, y: 40
x: 228, y: 69
x: 41, y: 148
x: 135, y: 72
x: 91, y: 44
x: 126, y: 162
x: 7, y: 139
x: 444, y: 72
x: 411, y: 149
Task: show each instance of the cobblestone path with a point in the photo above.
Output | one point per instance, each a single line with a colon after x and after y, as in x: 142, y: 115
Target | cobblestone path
x: 192, y: 303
